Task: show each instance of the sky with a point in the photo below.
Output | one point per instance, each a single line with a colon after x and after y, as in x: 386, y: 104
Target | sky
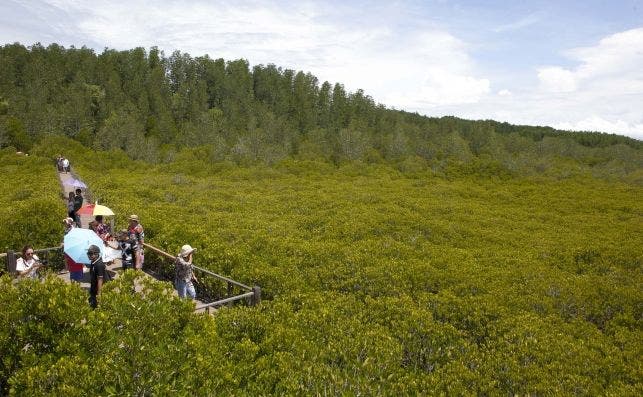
x: 574, y: 65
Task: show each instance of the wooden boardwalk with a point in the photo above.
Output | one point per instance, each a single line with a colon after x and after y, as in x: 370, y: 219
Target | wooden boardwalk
x: 113, y: 267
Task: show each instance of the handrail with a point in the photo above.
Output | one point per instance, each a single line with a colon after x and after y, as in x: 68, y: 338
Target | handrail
x: 223, y: 278
x: 11, y: 257
x: 226, y: 300
x: 18, y: 253
x: 253, y: 294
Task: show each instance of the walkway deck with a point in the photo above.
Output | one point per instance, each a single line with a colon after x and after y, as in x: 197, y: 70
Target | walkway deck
x: 113, y: 267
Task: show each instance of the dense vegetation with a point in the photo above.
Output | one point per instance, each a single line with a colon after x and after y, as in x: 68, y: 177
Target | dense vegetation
x: 30, y: 205
x: 397, y: 254
x: 375, y: 281
x: 151, y: 106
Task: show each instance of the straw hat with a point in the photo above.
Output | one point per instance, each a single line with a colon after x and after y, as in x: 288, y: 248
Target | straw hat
x: 133, y: 218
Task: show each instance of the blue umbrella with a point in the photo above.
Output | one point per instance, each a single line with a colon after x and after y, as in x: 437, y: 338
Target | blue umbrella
x: 75, y: 183
x: 78, y: 240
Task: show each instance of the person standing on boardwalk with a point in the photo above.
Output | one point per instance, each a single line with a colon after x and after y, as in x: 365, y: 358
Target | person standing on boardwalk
x: 126, y: 245
x: 78, y: 202
x: 70, y: 206
x: 27, y: 266
x: 68, y: 224
x: 97, y: 274
x: 102, y: 229
x: 75, y: 269
x: 137, y: 234
x: 184, y: 274
x: 65, y: 164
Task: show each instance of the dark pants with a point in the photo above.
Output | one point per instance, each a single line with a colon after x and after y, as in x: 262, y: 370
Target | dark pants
x: 92, y: 301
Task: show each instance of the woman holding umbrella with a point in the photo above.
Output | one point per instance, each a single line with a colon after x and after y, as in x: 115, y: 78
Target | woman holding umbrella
x: 103, y: 230
x: 98, y: 211
x: 75, y: 269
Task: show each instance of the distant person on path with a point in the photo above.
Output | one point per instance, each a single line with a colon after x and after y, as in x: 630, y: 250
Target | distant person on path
x: 184, y: 274
x: 27, y: 266
x: 78, y: 202
x: 126, y: 245
x: 59, y: 163
x: 136, y: 229
x: 97, y: 274
x: 65, y: 164
x: 70, y: 206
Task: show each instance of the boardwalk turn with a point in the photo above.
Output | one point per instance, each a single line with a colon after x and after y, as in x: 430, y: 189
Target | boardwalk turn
x: 112, y: 267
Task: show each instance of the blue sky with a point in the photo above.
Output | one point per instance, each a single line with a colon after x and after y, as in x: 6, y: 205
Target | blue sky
x: 574, y: 65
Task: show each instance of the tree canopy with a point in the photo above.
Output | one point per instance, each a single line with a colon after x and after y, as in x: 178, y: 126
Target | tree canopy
x: 151, y: 105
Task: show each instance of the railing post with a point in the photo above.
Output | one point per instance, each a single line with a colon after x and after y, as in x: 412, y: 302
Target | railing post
x: 11, y: 262
x: 229, y: 293
x: 256, y: 298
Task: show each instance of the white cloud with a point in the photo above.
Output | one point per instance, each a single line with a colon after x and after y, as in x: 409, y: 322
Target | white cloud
x: 504, y: 92
x: 596, y: 123
x: 617, y: 60
x: 615, y: 55
x: 519, y: 24
x: 557, y: 79
x: 604, y: 92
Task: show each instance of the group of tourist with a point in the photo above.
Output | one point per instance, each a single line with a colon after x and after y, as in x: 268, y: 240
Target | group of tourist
x: 74, y: 203
x: 129, y: 242
x: 63, y: 164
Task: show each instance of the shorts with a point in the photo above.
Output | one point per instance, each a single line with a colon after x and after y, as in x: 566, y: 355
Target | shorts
x: 127, y: 265
x: 76, y: 276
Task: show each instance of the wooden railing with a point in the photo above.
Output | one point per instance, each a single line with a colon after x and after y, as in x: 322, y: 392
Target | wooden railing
x: 252, y: 294
x: 44, y: 254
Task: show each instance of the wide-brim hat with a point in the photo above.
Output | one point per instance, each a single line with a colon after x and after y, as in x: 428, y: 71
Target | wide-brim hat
x: 186, y: 250
x: 133, y: 218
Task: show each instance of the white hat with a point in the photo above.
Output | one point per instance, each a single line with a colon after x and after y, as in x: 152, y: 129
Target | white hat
x: 186, y: 250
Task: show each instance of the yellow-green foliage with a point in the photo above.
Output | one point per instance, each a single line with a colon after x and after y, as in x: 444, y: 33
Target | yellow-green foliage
x: 31, y: 208
x: 375, y: 282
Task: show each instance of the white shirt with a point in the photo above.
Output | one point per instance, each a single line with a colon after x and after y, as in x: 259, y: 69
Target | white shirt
x: 22, y: 265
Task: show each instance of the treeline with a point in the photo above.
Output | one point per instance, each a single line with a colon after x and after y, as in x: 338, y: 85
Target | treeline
x: 151, y: 106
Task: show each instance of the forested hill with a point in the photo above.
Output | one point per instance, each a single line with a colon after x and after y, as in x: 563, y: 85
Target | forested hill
x: 152, y: 106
